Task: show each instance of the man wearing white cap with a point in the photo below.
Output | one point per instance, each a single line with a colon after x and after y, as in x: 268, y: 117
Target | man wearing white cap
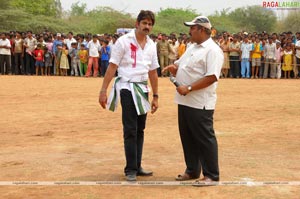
x: 197, y: 73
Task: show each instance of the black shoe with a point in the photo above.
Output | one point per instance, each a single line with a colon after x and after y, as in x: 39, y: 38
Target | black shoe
x: 142, y: 172
x: 131, y: 177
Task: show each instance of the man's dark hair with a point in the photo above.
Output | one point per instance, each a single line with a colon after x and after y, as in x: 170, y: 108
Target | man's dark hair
x: 71, y: 33
x: 146, y: 14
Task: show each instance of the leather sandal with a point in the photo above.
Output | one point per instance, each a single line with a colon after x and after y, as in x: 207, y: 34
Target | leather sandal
x: 185, y: 176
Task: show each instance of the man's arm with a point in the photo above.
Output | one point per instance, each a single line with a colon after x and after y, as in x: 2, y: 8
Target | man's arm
x: 110, y: 73
x: 197, y: 85
x: 154, y: 84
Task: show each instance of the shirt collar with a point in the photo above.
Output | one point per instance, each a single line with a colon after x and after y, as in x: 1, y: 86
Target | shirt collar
x: 131, y: 34
x: 205, y: 43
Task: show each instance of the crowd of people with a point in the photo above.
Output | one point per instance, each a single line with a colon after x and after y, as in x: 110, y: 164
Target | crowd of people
x: 247, y: 55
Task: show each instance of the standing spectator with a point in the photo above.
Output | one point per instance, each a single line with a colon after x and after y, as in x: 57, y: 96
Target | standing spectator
x: 105, y: 54
x: 11, y: 38
x: 38, y: 55
x: 278, y: 55
x: 270, y: 49
x: 18, y: 54
x: 181, y: 47
x: 287, y: 61
x: 73, y: 53
x: 94, y: 49
x: 5, y: 55
x: 163, y: 50
x: 257, y: 50
x: 48, y: 57
x: 225, y: 47
x: 246, y: 49
x: 56, y: 44
x: 83, y: 57
x: 70, y: 40
x: 30, y: 45
x: 174, y: 52
x: 234, y: 56
x: 64, y: 63
x: 297, y: 55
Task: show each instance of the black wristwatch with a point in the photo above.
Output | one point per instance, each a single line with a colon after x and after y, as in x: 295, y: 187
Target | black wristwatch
x: 155, y: 95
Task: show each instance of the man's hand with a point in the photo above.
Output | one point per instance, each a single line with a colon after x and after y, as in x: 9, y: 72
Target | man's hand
x: 171, y: 68
x: 154, y: 105
x: 182, y: 90
x: 103, y: 99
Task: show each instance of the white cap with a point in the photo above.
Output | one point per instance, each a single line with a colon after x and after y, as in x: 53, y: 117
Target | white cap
x: 200, y: 20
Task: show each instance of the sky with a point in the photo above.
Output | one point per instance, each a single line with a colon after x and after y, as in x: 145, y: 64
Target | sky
x: 134, y: 6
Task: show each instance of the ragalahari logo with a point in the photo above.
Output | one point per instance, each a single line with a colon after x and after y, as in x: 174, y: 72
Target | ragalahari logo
x: 281, y: 4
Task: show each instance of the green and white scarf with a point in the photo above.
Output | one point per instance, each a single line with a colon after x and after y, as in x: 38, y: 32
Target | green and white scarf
x: 140, y: 98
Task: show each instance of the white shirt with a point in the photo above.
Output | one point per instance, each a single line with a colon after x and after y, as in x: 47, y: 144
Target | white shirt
x: 69, y: 42
x: 298, y: 51
x: 130, y: 68
x: 94, y: 48
x: 270, y: 50
x: 5, y: 51
x: 197, y: 62
x: 31, y: 44
x: 246, y: 48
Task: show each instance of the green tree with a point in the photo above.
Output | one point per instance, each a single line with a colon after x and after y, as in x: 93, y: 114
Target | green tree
x: 290, y: 23
x: 254, y: 18
x: 171, y: 20
x: 78, y: 10
x: 39, y: 7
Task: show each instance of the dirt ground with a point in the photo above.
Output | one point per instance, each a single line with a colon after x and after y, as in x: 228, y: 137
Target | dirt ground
x: 52, y: 129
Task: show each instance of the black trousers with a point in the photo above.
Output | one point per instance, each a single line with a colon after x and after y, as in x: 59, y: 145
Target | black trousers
x: 199, y: 142
x: 133, y: 133
x: 19, y: 66
x: 5, y: 60
x: 30, y: 68
x: 235, y: 69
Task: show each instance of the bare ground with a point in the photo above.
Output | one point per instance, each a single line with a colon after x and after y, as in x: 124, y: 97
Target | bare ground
x: 52, y: 129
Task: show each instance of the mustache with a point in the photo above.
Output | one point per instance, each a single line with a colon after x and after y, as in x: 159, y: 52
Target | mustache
x: 146, y: 29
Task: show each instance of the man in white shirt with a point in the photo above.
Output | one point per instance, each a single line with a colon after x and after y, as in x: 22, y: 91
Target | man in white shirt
x: 197, y: 73
x: 246, y: 48
x: 135, y: 58
x: 30, y: 44
x: 270, y: 58
x: 5, y: 55
x: 94, y: 48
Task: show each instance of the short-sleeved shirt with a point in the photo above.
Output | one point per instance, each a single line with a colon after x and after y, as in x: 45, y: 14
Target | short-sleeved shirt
x: 19, y: 45
x: 199, y: 61
x: 256, y: 50
x: 270, y: 50
x: 94, y: 48
x: 234, y: 45
x: 246, y: 48
x: 134, y: 62
x: 31, y: 44
x: 5, y: 51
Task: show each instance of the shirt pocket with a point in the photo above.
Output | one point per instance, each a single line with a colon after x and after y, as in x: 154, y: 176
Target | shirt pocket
x: 197, y: 65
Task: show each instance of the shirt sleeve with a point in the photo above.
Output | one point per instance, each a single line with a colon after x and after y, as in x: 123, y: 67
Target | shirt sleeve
x: 215, y: 59
x: 118, y: 53
x: 154, y: 64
